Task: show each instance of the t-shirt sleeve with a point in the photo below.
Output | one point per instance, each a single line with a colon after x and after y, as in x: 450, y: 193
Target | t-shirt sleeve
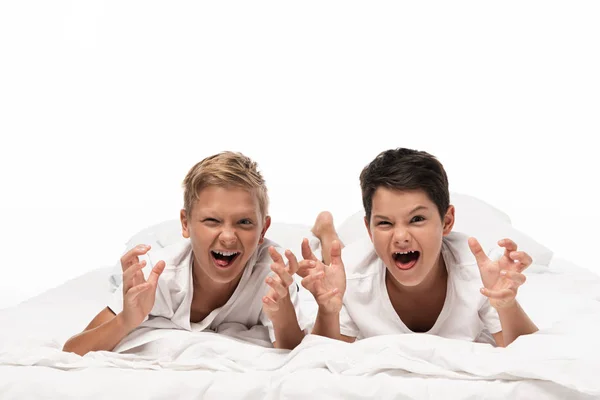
x: 489, y: 317
x: 115, y: 278
x: 115, y: 301
x: 264, y: 320
x: 301, y: 313
x: 347, y: 325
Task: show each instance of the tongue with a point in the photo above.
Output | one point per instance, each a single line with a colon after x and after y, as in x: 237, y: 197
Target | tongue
x: 407, y: 265
x: 221, y: 262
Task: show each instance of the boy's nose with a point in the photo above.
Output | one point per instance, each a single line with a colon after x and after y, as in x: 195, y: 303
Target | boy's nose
x: 401, y: 236
x: 228, y: 237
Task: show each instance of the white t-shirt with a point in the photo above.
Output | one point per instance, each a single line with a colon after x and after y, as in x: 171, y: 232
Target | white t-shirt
x: 368, y: 311
x: 172, y: 306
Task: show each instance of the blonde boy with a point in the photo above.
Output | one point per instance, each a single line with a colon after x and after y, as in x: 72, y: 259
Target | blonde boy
x: 220, y: 273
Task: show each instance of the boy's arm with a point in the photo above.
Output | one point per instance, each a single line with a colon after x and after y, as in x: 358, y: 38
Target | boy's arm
x: 327, y: 284
x: 501, y: 280
x: 107, y: 329
x: 328, y: 324
x: 104, y: 332
x: 277, y: 303
x: 288, y: 334
x: 515, y: 322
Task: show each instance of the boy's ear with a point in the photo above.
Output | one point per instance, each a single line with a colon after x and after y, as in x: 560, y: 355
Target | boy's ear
x: 449, y: 220
x: 184, y: 224
x: 264, y: 230
x: 368, y: 226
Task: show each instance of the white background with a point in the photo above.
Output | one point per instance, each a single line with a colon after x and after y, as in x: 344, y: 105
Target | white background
x: 105, y: 105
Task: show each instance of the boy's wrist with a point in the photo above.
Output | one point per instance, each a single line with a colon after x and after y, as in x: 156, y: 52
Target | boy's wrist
x: 327, y: 323
x: 285, y: 308
x: 509, y: 306
x: 123, y: 326
x: 323, y: 312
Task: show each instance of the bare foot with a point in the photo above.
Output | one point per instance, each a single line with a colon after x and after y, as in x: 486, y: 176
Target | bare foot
x: 325, y: 231
x: 324, y: 225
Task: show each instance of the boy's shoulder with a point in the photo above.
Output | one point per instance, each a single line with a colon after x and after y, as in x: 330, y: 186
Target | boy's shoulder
x: 260, y: 262
x: 262, y: 255
x: 460, y: 261
x: 455, y: 249
x: 361, y: 260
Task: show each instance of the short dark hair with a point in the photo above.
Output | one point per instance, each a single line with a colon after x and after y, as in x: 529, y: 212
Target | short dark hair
x: 405, y: 169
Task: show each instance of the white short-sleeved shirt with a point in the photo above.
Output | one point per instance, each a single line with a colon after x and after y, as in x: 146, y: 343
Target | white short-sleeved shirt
x: 368, y: 311
x: 172, y: 306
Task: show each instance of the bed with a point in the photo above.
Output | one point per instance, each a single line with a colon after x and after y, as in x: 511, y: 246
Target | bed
x: 561, y: 361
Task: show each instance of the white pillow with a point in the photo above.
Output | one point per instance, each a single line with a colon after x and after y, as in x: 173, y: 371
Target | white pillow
x: 474, y: 217
x: 159, y: 235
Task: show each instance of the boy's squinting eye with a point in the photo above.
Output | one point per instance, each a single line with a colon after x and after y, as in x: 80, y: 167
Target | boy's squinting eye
x: 383, y: 223
x: 417, y: 218
x: 245, y: 221
x: 210, y: 220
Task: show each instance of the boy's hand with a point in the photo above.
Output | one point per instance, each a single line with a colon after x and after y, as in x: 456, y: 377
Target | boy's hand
x: 138, y: 294
x: 280, y: 282
x: 502, y: 278
x: 327, y: 283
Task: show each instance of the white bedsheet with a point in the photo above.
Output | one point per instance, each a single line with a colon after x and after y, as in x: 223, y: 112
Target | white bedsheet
x: 560, y: 361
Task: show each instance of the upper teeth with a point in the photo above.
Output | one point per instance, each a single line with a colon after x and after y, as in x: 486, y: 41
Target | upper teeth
x: 225, y: 253
x: 405, y: 252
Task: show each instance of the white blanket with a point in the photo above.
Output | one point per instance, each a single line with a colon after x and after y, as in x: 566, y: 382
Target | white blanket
x: 568, y: 354
x: 560, y: 361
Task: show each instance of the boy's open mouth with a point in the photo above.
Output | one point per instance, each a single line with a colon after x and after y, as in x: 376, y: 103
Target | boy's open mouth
x: 406, y: 259
x: 224, y: 259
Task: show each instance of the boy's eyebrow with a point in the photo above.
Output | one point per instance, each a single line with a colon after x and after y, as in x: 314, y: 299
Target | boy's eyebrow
x: 417, y: 208
x: 249, y: 213
x: 380, y: 216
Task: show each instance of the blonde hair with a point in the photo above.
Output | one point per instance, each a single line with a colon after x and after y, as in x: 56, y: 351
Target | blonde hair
x: 226, y: 169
